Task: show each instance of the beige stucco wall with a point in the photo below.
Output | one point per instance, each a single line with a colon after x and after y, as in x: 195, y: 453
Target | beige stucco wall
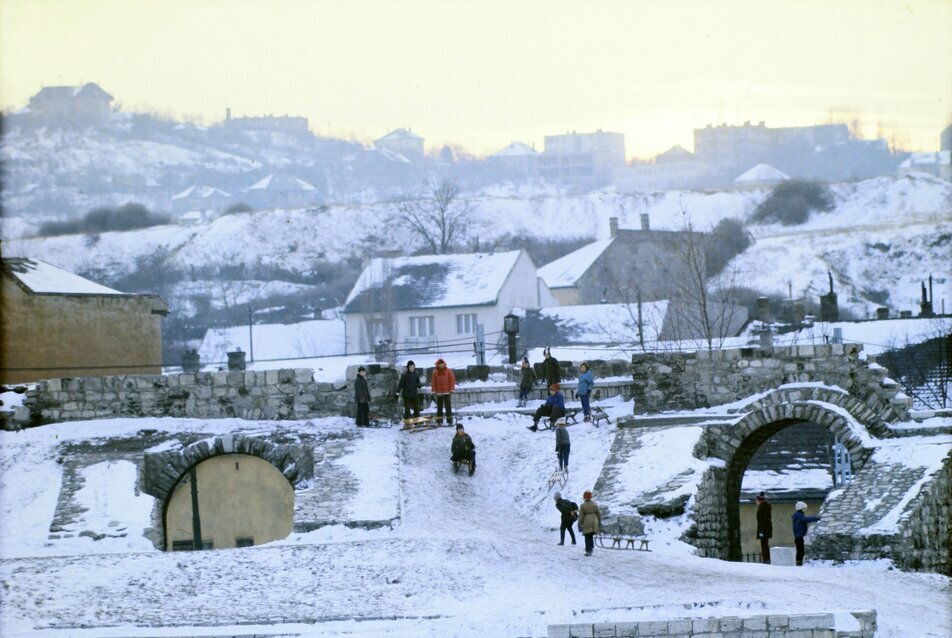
x: 45, y: 336
x: 239, y: 496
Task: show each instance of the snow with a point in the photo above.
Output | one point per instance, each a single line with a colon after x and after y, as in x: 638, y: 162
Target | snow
x: 273, y: 342
x: 516, y: 149
x: 43, y: 278
x: 609, y: 323
x: 761, y: 173
x: 470, y: 556
x: 876, y: 336
x: 566, y: 271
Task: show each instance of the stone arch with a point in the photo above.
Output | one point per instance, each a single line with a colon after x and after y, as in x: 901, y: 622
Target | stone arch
x: 162, y: 471
x: 717, y: 506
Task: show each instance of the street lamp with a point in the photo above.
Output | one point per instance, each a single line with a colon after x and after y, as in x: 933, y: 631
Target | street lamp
x: 510, y: 325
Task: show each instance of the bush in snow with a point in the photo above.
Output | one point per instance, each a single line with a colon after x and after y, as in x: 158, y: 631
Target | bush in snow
x: 791, y: 203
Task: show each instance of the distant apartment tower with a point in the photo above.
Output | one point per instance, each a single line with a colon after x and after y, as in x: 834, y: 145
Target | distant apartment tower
x: 280, y: 124
x: 583, y: 159
x: 743, y: 146
x: 402, y: 141
x: 86, y: 103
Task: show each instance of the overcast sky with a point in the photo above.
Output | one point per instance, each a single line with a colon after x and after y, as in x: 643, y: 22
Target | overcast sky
x: 484, y: 73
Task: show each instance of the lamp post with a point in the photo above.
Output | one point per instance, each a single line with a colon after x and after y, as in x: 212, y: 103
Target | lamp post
x: 510, y: 325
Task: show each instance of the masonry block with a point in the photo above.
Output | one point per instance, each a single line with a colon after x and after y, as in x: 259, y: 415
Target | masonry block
x: 604, y: 630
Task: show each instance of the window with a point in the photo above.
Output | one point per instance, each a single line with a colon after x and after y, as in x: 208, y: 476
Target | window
x: 244, y: 541
x: 187, y: 546
x: 421, y: 326
x: 466, y: 324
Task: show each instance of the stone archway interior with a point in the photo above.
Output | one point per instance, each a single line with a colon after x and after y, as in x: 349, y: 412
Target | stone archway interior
x: 242, y: 500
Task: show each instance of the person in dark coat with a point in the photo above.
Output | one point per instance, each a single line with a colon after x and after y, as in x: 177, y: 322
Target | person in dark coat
x: 800, y: 523
x: 586, y: 381
x: 550, y: 368
x: 589, y: 522
x: 463, y: 449
x: 527, y: 379
x: 569, y: 514
x: 553, y: 408
x: 362, y: 397
x: 563, y: 446
x: 409, y: 388
x: 764, y: 527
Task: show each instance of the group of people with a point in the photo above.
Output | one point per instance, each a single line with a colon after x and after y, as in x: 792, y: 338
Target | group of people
x: 589, y: 518
x: 800, y: 522
x: 442, y: 385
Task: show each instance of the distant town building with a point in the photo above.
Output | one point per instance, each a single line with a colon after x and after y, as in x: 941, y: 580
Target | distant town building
x: 403, y: 142
x: 200, y: 198
x: 937, y: 164
x: 727, y: 145
x: 281, y: 190
x: 87, y: 103
x: 516, y: 160
x: 629, y: 263
x: 281, y: 124
x: 945, y: 139
x: 424, y: 301
x: 583, y: 159
x: 675, y: 168
x: 760, y: 176
x: 56, y: 324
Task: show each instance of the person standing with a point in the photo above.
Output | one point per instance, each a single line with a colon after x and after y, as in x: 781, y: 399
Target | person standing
x: 550, y: 368
x: 409, y: 388
x: 589, y: 522
x: 362, y: 397
x: 527, y: 379
x: 442, y: 384
x: 554, y: 407
x: 586, y: 381
x: 800, y: 524
x: 569, y: 514
x: 563, y: 446
x: 463, y: 449
x: 764, y: 527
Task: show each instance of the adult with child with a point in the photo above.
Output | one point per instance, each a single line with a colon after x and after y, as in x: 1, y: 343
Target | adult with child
x: 442, y: 383
x: 586, y: 381
x: 362, y: 397
x: 409, y: 388
x: 527, y: 379
x: 800, y: 524
x: 568, y: 514
x: 463, y: 449
x: 553, y: 408
x: 589, y: 522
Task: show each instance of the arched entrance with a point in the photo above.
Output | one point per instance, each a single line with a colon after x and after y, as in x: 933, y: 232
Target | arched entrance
x: 717, y: 505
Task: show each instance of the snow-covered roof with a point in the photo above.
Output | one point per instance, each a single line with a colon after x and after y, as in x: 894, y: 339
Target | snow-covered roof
x: 516, y: 149
x: 606, y: 323
x: 566, y: 271
x: 201, y: 192
x: 275, y: 341
x: 431, y: 281
x: 942, y: 158
x: 400, y: 134
x: 675, y: 152
x: 762, y: 173
x: 274, y: 182
x: 42, y: 278
x: 876, y: 336
x: 393, y: 156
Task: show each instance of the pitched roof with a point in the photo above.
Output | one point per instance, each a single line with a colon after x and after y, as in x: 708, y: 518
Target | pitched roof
x: 90, y: 89
x: 565, y: 271
x: 762, y: 173
x: 201, y: 192
x: 274, y: 182
x: 40, y: 277
x: 431, y: 281
x: 400, y: 134
x: 516, y: 149
x: 603, y: 323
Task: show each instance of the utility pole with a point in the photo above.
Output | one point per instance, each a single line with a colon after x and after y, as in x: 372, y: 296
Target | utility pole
x: 251, y: 338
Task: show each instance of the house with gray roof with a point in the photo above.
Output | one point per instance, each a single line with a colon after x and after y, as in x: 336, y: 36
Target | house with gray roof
x: 403, y: 142
x: 89, y: 103
x: 434, y: 302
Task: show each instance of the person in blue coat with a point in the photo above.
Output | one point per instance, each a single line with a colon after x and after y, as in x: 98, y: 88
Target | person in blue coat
x: 800, y: 523
x: 586, y: 381
x: 554, y: 407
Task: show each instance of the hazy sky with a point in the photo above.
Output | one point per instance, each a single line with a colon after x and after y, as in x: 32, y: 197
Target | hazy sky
x: 484, y: 73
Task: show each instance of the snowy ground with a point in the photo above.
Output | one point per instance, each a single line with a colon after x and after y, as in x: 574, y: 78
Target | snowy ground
x: 471, y: 556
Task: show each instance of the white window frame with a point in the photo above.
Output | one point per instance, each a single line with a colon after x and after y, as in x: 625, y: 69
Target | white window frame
x: 466, y: 323
x: 422, y: 326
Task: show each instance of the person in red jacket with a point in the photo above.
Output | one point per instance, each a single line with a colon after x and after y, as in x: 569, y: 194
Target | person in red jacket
x: 442, y: 385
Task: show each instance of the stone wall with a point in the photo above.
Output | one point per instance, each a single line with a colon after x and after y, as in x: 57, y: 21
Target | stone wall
x: 857, y: 624
x: 689, y: 380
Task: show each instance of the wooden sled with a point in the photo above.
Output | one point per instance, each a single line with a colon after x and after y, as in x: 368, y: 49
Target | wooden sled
x: 558, y: 476
x: 428, y: 422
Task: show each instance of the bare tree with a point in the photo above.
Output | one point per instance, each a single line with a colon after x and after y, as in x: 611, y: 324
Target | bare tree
x: 440, y: 218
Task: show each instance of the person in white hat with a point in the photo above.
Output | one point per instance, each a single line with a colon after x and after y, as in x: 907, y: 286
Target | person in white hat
x: 800, y: 523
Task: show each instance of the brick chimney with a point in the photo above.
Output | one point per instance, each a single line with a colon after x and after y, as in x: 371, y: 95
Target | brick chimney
x: 644, y: 222
x: 613, y: 227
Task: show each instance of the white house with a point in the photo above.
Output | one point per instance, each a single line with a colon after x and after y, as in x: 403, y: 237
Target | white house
x: 402, y: 141
x: 434, y: 302
x: 760, y: 176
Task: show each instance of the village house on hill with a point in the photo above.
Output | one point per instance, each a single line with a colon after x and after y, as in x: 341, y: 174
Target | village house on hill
x: 428, y: 301
x: 403, y: 142
x: 56, y: 324
x: 86, y: 103
x: 629, y: 264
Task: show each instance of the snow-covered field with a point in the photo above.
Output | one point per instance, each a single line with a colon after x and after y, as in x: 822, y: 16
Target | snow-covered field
x: 471, y: 556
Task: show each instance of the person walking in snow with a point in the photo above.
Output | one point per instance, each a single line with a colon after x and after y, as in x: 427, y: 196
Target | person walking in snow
x: 550, y: 368
x: 463, y: 449
x: 527, y: 379
x: 442, y: 384
x: 800, y: 523
x: 362, y: 397
x: 764, y: 527
x: 409, y: 388
x: 586, y: 381
x: 553, y: 408
x: 563, y: 446
x: 568, y: 512
x: 589, y: 522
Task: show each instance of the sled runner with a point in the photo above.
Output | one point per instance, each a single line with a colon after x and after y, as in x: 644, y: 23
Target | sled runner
x: 558, y: 476
x: 429, y: 422
x: 619, y: 535
x: 463, y: 463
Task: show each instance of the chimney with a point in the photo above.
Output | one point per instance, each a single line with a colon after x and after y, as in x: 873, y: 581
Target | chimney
x: 227, y: 113
x: 829, y: 309
x: 882, y: 313
x: 763, y: 309
x: 613, y: 227
x: 644, y: 222
x: 925, y: 306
